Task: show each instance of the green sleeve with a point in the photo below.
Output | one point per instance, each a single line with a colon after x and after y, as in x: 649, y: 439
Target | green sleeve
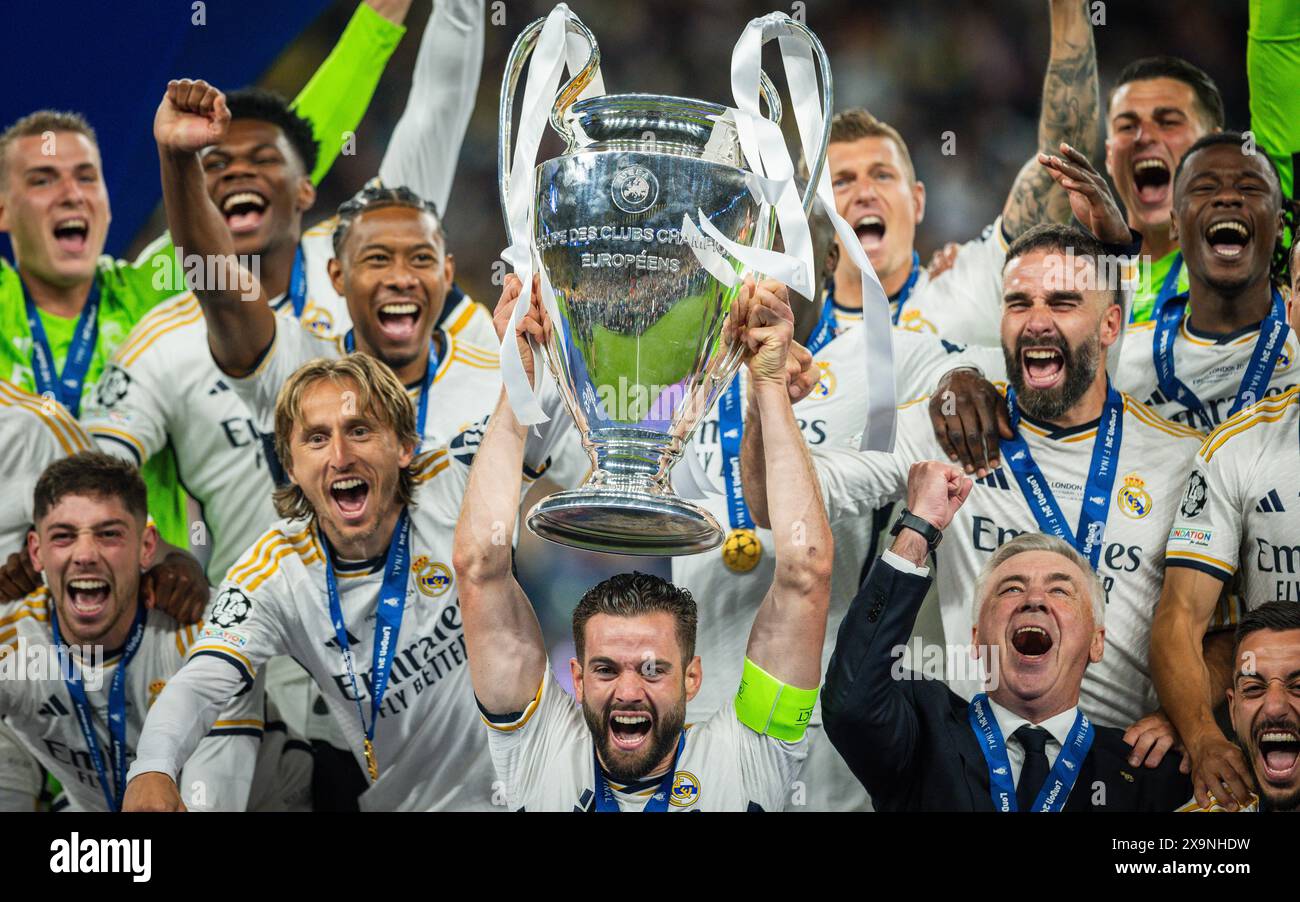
x: 1273, y: 71
x: 335, y: 99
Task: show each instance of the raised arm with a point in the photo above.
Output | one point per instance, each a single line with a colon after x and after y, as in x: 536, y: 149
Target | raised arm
x: 1185, y: 683
x: 507, y: 655
x: 869, y: 712
x: 1071, y: 113
x: 425, y: 145
x: 193, y: 115
x: 334, y: 101
x: 790, y: 627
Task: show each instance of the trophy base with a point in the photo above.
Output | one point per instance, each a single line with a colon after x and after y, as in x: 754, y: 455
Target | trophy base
x: 625, y: 522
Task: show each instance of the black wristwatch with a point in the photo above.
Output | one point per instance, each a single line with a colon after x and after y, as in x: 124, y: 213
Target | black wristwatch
x: 926, y: 529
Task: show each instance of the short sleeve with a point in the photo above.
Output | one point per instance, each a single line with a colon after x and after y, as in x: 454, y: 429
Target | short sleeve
x: 127, y: 417
x: 768, y: 766
x: 526, y: 746
x: 1206, y: 531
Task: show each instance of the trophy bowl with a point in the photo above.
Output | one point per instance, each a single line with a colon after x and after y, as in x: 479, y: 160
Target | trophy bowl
x: 641, y: 350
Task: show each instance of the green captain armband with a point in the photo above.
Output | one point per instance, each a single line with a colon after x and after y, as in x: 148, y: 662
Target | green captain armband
x: 768, y: 706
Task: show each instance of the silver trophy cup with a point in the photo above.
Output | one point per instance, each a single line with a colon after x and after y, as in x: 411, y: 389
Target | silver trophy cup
x: 640, y: 354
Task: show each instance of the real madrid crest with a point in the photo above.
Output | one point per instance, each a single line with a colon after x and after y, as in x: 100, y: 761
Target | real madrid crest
x: 825, y: 382
x: 742, y: 550
x: 1133, y: 497
x: 686, y: 789
x: 432, y: 578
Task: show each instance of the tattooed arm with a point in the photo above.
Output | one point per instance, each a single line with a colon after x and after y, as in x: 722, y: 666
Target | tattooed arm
x: 1071, y: 113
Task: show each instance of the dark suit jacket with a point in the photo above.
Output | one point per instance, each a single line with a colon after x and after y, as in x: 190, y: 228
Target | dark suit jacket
x: 910, y: 742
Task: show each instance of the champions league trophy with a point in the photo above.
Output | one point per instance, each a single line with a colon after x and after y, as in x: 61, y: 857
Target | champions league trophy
x: 639, y: 349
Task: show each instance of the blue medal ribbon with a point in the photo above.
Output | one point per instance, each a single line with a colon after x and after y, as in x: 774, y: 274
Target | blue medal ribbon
x: 605, y: 800
x: 114, y: 791
x: 298, y: 284
x: 431, y: 371
x: 1263, y: 360
x: 1095, y: 508
x: 1061, y: 779
x: 731, y: 428
x: 65, y: 387
x: 388, y: 623
x: 825, y: 329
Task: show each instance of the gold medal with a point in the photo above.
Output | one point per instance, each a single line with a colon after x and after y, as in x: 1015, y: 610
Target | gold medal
x: 742, y: 550
x: 371, y: 764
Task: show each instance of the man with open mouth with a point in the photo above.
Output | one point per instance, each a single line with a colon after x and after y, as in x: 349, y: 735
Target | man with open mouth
x: 1264, y: 707
x: 355, y: 582
x: 1225, y: 343
x: 1233, y: 540
x: 626, y: 745
x: 65, y: 309
x: 1086, y: 463
x: 1264, y: 701
x: 81, y: 719
x: 1021, y: 744
x: 390, y: 264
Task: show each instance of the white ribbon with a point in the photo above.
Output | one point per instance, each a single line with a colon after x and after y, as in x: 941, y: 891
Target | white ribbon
x: 766, y: 152
x: 554, y: 51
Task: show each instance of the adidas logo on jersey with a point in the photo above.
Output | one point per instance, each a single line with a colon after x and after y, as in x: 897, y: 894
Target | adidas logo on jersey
x: 1270, y: 504
x: 219, y: 387
x: 334, y: 643
x: 53, y: 707
x: 997, y: 479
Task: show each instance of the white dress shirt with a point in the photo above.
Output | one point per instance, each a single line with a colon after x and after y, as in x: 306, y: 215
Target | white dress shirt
x: 1057, y: 727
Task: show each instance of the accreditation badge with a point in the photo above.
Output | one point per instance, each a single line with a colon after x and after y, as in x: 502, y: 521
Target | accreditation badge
x: 742, y: 550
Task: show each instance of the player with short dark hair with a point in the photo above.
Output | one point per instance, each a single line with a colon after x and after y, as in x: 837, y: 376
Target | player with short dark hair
x: 635, y: 668
x: 112, y: 653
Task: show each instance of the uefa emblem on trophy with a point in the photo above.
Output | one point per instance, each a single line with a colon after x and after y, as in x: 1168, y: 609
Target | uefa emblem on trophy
x: 635, y: 229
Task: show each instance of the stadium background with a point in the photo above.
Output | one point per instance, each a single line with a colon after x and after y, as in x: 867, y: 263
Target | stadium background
x: 926, y: 66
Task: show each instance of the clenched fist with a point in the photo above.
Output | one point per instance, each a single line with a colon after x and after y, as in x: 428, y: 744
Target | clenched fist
x: 193, y: 115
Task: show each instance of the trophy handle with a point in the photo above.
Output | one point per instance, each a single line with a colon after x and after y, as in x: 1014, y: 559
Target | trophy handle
x: 796, y: 29
x: 573, y: 88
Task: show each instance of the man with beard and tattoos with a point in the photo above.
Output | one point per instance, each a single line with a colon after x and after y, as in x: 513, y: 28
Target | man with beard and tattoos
x: 635, y: 669
x: 1083, y: 467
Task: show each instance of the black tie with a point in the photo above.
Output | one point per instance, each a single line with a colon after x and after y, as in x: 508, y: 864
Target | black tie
x: 1033, y: 774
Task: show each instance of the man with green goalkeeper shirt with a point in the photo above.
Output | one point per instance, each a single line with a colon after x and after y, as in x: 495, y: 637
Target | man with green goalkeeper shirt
x: 65, y: 308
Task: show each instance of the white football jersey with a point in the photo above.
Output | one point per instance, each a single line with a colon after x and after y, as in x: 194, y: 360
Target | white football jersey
x: 326, y: 313
x: 431, y: 753
x: 464, y: 391
x: 39, y: 708
x: 964, y: 303
x: 546, y: 758
x: 1211, y: 367
x: 163, y: 387
x: 1240, y: 513
x: 1154, y: 458
x: 34, y: 432
x: 833, y: 415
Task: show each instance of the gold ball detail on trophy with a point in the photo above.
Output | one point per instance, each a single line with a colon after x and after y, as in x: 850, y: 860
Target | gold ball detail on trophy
x: 742, y: 550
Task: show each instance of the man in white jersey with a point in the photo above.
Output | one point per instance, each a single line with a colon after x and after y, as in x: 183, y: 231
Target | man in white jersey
x: 81, y: 719
x: 1232, y: 545
x: 627, y: 748
x: 163, y: 387
x: 1085, y: 451
x: 1225, y: 343
x: 390, y: 263
x: 356, y: 584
